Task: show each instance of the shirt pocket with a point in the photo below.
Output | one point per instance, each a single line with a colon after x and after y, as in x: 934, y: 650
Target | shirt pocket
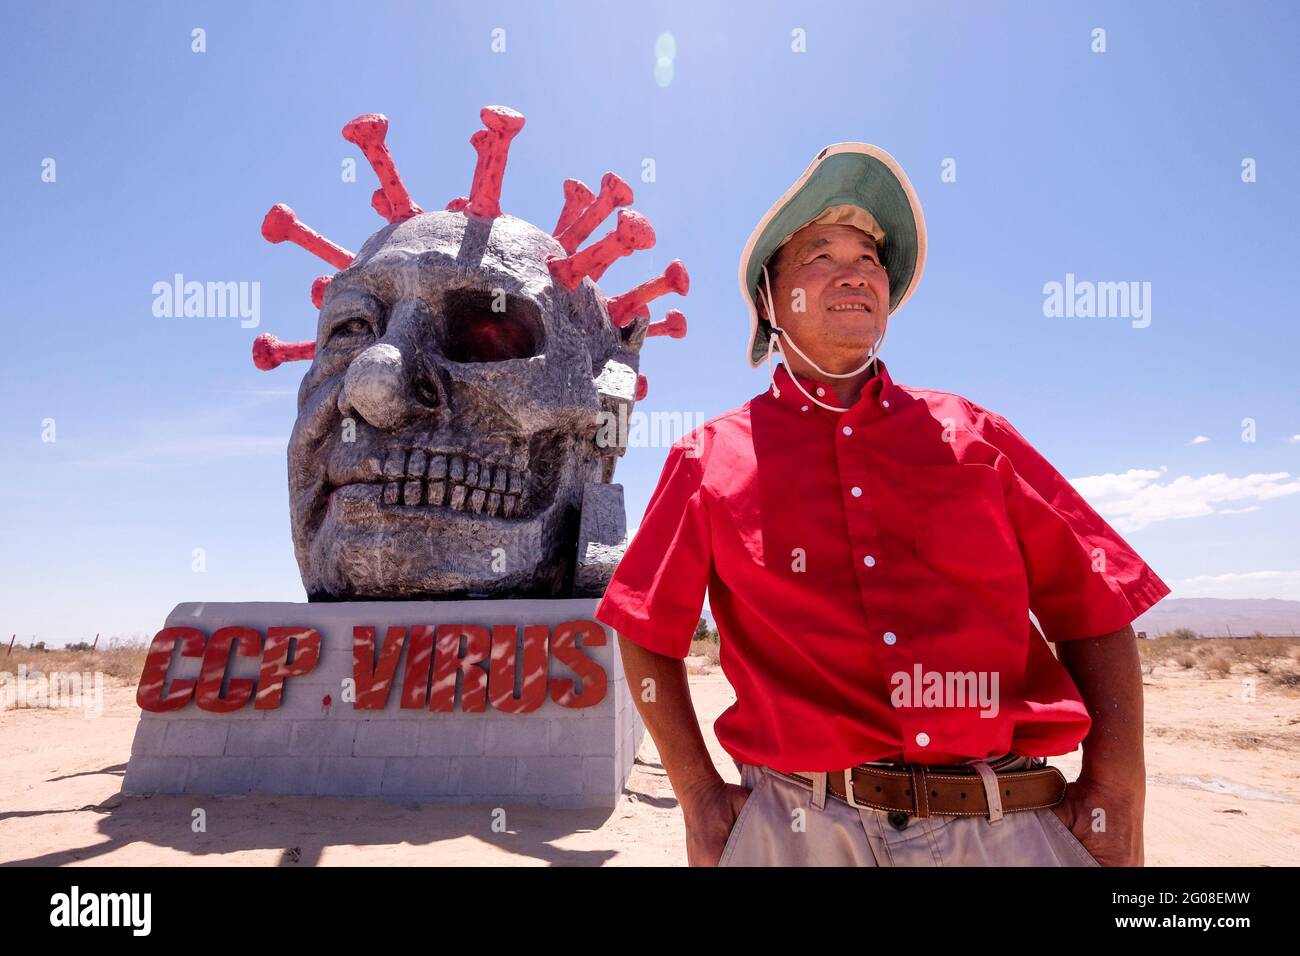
x: 960, y: 520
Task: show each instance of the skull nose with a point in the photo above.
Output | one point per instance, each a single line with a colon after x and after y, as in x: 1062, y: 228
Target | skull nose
x: 375, y: 387
x: 427, y: 390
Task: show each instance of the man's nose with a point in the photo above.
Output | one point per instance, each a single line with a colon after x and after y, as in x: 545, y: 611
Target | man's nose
x: 852, y: 277
x: 387, y: 384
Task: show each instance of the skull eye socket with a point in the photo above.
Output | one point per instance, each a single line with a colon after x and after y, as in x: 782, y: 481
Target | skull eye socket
x: 351, y: 320
x: 488, y: 326
x: 350, y: 328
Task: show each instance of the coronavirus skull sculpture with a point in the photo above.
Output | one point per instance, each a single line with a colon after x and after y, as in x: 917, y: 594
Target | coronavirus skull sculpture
x: 458, y: 429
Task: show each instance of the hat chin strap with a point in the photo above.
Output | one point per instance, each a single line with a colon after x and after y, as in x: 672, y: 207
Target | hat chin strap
x: 773, y: 344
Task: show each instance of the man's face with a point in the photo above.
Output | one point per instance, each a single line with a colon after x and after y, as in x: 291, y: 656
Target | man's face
x: 831, y: 293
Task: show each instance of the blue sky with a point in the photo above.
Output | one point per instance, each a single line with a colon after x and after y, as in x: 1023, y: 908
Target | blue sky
x: 1117, y: 166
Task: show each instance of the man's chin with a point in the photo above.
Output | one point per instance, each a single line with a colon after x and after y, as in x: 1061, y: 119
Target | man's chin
x: 850, y: 348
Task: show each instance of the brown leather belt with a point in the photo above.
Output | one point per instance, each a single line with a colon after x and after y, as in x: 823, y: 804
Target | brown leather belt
x: 942, y: 791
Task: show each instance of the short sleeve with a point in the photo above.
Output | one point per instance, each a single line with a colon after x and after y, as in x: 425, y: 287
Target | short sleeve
x: 657, y: 592
x: 1084, y: 579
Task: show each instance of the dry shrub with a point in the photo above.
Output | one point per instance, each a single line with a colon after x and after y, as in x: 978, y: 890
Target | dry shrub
x: 1219, y: 666
x: 1185, y: 661
x: 115, y: 658
x: 707, y: 649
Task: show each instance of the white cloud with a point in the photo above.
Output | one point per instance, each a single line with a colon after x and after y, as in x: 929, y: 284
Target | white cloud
x: 1250, y: 584
x: 1138, y: 497
x: 1198, y: 440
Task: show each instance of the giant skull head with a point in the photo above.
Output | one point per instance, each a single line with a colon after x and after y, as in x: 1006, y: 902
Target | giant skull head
x: 453, y: 435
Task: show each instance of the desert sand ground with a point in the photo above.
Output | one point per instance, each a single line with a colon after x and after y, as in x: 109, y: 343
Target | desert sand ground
x: 1224, y: 789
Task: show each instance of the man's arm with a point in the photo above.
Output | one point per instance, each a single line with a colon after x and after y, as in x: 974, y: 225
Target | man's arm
x: 663, y: 698
x: 1108, y: 673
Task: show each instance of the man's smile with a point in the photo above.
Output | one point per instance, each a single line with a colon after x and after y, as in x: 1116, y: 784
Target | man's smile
x: 853, y: 303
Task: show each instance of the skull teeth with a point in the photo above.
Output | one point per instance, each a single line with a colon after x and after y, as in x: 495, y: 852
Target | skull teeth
x: 461, y: 482
x: 457, y: 502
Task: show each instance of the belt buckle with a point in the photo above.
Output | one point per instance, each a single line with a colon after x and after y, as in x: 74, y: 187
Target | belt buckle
x: 848, y: 791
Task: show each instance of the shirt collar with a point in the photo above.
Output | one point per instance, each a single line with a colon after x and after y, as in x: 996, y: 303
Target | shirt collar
x: 879, y: 393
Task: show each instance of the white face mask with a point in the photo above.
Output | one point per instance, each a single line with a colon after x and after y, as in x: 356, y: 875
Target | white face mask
x: 773, y: 344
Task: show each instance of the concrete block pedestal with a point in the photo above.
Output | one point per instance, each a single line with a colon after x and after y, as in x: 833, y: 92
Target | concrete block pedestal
x: 318, y: 743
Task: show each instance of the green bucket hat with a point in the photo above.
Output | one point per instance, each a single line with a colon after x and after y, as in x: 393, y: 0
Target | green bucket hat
x: 846, y: 174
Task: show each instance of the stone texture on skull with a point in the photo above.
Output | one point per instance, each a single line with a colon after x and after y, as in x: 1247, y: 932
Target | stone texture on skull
x: 449, y: 434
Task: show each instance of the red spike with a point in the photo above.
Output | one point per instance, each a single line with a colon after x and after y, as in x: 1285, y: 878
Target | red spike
x: 633, y: 232
x: 613, y: 192
x: 674, y: 324
x: 623, y: 308
x: 318, y: 288
x: 268, y: 351
x: 577, y: 197
x: 642, y: 386
x: 493, y: 147
x: 282, y: 223
x: 368, y: 132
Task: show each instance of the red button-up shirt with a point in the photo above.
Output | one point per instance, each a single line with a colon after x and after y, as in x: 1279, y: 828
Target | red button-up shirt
x: 871, y: 574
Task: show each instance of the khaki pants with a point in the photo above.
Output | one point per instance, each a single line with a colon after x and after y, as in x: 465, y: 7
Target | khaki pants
x: 781, y: 825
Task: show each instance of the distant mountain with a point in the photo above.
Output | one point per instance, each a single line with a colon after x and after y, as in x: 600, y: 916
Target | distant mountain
x: 1223, y: 617
x: 1209, y: 617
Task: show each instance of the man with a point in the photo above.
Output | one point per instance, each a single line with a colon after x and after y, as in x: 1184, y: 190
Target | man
x: 872, y: 554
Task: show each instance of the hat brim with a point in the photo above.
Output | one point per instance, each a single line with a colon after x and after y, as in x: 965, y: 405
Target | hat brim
x: 852, y: 173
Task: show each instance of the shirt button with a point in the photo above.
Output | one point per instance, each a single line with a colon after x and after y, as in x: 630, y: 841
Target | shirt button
x: 885, y: 403
x: 891, y: 638
x: 923, y: 739
x: 848, y: 430
x: 820, y: 392
x: 856, y: 491
x: 805, y: 408
x: 869, y: 561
